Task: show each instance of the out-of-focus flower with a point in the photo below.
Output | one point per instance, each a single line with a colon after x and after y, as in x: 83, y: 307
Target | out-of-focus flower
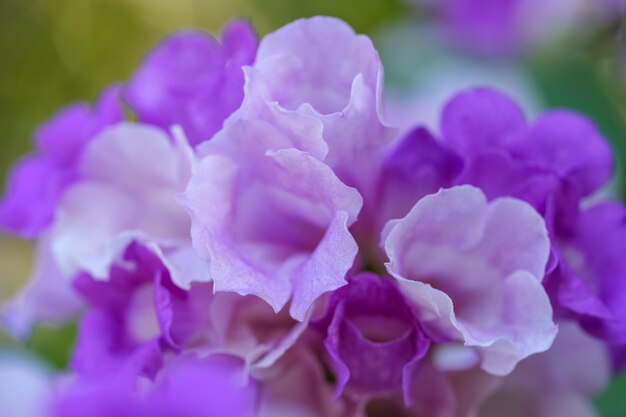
x: 25, y: 385
x: 119, y: 195
x: 48, y: 297
x: 37, y: 183
x: 189, y: 385
x: 589, y: 282
x: 505, y: 27
x: 128, y: 179
x: 548, y: 385
x: 193, y: 81
x: 198, y: 385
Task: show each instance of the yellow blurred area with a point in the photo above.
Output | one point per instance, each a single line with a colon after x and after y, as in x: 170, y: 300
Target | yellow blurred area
x: 15, y: 258
x: 15, y: 267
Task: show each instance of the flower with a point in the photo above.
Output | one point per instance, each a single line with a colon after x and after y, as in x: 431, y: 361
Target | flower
x: 291, y: 71
x: 271, y: 220
x: 128, y: 179
x: 297, y: 245
x: 511, y: 27
x: 37, y: 183
x: 474, y: 270
x: 589, y: 282
x: 555, y: 164
x: 374, y: 341
x: 182, y: 388
x: 192, y: 81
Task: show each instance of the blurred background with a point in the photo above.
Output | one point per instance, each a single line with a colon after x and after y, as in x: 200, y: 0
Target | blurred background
x: 54, y: 52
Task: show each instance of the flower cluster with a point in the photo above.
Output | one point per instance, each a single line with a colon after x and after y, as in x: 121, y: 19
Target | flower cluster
x: 261, y: 242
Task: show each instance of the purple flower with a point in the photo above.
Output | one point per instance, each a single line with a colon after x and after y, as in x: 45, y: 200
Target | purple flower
x: 297, y: 77
x: 374, y: 340
x: 554, y: 163
x: 124, y: 191
x: 192, y: 81
x: 120, y: 333
x: 271, y: 220
x: 37, y: 183
x: 487, y: 26
x: 291, y: 70
x: 474, y: 271
x: 189, y: 385
x: 414, y: 166
x: 127, y: 181
x: 484, y: 123
x: 198, y: 385
x: 589, y: 281
x: 139, y: 315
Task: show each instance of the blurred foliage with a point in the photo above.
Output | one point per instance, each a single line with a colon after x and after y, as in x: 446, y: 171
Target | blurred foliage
x: 15, y: 261
x: 53, y: 52
x: 589, y: 79
x: 612, y: 403
x: 53, y: 344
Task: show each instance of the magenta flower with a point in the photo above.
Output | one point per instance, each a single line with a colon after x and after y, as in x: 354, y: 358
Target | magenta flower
x: 182, y: 389
x: 374, y: 340
x: 192, y: 81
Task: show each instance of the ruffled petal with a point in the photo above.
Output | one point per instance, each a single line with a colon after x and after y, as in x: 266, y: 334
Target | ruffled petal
x: 370, y: 327
x: 275, y: 229
x: 291, y: 71
x: 473, y: 269
x: 130, y: 177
